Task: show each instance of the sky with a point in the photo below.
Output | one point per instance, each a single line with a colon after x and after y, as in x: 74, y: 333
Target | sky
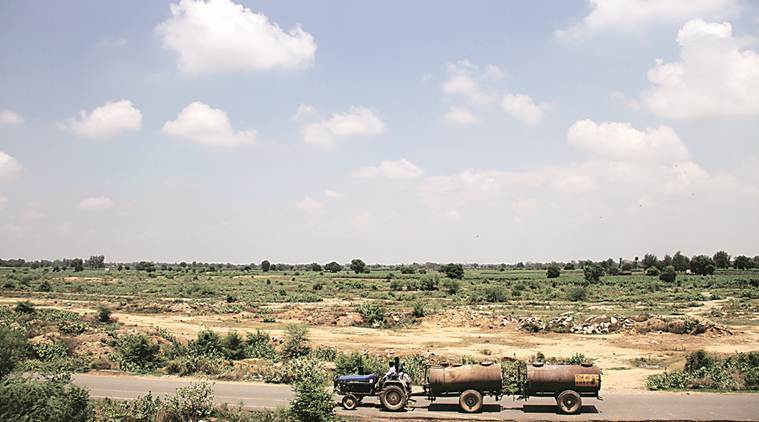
x: 394, y: 131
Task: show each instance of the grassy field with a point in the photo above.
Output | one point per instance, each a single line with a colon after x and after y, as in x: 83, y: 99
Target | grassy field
x: 385, y: 312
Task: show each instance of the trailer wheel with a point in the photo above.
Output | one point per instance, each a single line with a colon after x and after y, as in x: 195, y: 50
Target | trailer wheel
x: 393, y: 398
x: 569, y: 401
x: 350, y: 402
x: 470, y: 401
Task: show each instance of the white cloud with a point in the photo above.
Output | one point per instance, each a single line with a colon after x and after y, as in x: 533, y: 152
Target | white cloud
x: 221, y: 36
x: 362, y: 221
x: 111, y: 119
x: 332, y: 194
x: 630, y: 15
x: 714, y: 77
x: 9, y: 166
x: 96, y: 203
x: 460, y: 116
x: 622, y: 142
x: 401, y: 169
x: 202, y: 124
x: 311, y: 206
x: 357, y: 121
x: 304, y: 111
x: 463, y: 81
x: 522, y: 108
x: 10, y: 117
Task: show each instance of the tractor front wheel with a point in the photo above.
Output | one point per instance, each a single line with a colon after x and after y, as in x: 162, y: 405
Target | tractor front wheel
x: 393, y: 398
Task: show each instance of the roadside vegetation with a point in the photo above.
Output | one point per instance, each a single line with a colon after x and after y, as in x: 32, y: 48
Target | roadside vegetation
x: 708, y: 371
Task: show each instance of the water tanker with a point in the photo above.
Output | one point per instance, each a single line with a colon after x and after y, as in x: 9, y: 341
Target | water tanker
x: 469, y: 382
x: 566, y: 383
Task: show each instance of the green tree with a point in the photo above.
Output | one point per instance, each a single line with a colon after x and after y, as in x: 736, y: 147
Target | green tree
x: 721, y: 259
x: 265, y: 266
x: 649, y: 260
x: 77, y: 264
x: 593, y: 272
x: 333, y: 267
x: 553, y: 271
x: 233, y: 346
x: 742, y: 262
x: 135, y: 353
x: 358, y: 266
x: 312, y: 402
x: 702, y: 265
x: 296, y: 341
x: 208, y: 343
x: 28, y: 399
x: 668, y: 274
x: 452, y: 270
x: 315, y: 267
x: 680, y: 261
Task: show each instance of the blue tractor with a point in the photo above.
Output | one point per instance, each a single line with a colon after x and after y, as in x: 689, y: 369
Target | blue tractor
x: 393, y: 388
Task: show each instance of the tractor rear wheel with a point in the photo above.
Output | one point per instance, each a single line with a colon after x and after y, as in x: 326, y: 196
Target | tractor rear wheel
x: 393, y: 398
x: 350, y: 402
x: 569, y: 401
x: 470, y: 401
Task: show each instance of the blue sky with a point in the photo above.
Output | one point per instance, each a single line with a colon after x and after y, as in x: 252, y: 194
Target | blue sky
x: 392, y: 131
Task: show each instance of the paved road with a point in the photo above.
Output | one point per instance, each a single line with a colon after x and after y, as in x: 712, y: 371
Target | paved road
x: 614, y: 406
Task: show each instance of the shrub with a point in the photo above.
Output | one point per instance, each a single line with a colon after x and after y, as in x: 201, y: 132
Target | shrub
x: 358, y: 363
x: 593, y: 272
x: 652, y: 271
x: 296, y: 341
x: 104, y: 313
x: 697, y: 360
x: 24, y: 307
x: 668, y: 274
x: 419, y: 310
x: 259, y: 345
x: 25, y: 399
x: 190, y: 404
x: 233, y: 346
x: 142, y: 409
x: 495, y: 294
x: 208, y: 343
x: 429, y: 282
x: 13, y: 349
x: 135, y: 353
x: 312, y: 402
x: 553, y: 271
x: 44, y: 286
x: 50, y: 351
x: 577, y: 293
x: 197, y: 364
x: 452, y: 270
x: 372, y: 313
x: 704, y: 371
x: 451, y: 286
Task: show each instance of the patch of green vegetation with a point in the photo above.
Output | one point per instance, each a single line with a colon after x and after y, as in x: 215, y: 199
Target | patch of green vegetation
x: 704, y: 371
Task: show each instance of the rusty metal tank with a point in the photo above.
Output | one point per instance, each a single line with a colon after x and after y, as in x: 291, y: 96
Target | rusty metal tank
x: 485, y: 377
x: 549, y: 380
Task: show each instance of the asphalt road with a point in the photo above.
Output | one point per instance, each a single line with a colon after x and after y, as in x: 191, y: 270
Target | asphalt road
x: 614, y: 406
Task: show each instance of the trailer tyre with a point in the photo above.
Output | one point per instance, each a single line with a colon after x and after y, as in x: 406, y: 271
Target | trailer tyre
x: 350, y: 402
x: 393, y: 398
x: 470, y: 401
x: 569, y: 402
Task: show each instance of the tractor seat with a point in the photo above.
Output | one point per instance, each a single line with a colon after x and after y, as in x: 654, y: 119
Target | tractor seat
x: 358, y: 378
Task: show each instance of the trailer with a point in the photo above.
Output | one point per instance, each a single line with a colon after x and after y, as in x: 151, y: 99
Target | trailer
x: 471, y: 383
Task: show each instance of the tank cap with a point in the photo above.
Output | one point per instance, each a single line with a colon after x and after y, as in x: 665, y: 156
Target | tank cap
x: 486, y: 363
x: 538, y: 364
x: 587, y: 364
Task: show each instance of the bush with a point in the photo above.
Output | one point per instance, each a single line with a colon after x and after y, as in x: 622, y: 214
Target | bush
x: 208, y: 343
x: 495, y: 294
x: 577, y: 293
x: 418, y: 311
x: 704, y: 371
x: 104, y: 313
x: 312, y: 402
x: 25, y: 399
x: 429, y: 282
x: 451, y: 286
x: 358, y: 363
x: 24, y: 307
x: 135, y: 353
x: 593, y: 272
x: 668, y: 274
x: 652, y: 271
x: 50, y: 351
x: 13, y: 349
x: 553, y: 271
x: 142, y: 409
x: 197, y: 364
x: 372, y: 313
x: 259, y: 345
x: 190, y: 404
x: 296, y: 341
x: 234, y: 346
x: 455, y: 271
